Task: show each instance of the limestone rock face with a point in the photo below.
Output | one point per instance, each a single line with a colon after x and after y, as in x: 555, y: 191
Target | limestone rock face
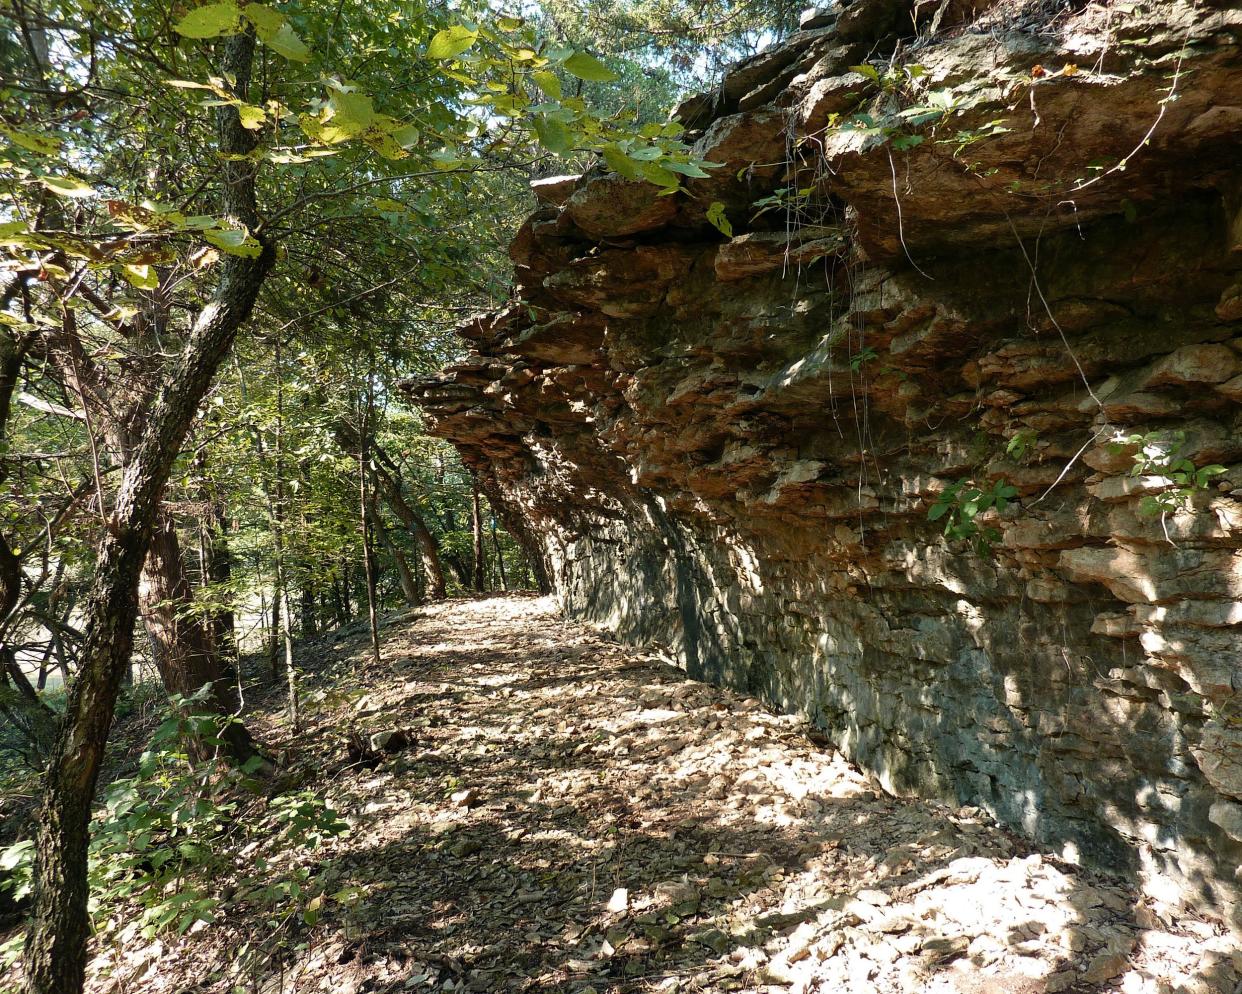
x: 732, y: 446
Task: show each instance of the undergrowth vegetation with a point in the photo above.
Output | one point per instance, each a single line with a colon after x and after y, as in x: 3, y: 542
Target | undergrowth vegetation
x: 186, y: 830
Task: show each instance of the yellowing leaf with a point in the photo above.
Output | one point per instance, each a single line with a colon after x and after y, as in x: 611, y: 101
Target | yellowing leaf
x: 548, y: 82
x: 717, y: 217
x: 67, y: 186
x: 204, y: 257
x: 265, y: 19
x: 142, y: 277
x: 451, y: 42
x: 33, y: 141
x: 252, y: 117
x: 210, y: 21
x: 352, y: 112
x: 588, y: 67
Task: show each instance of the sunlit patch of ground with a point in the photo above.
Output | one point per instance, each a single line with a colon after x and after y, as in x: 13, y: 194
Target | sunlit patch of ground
x: 574, y: 815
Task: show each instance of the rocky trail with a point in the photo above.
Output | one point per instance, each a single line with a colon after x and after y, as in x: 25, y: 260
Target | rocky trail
x: 568, y: 814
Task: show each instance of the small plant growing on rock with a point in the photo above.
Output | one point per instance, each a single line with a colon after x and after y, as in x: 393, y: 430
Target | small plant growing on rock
x: 960, y: 504
x: 1162, y: 454
x: 865, y: 355
x: 1022, y: 444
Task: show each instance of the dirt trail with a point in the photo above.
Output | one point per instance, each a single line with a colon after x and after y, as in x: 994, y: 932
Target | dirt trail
x: 573, y: 815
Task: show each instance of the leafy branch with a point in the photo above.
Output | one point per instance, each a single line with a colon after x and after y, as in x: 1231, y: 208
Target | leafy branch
x: 960, y: 505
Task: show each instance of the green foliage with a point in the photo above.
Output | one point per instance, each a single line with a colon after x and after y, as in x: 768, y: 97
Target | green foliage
x: 864, y: 355
x: 962, y: 502
x: 785, y: 198
x: 903, y: 106
x: 1022, y: 444
x: 718, y: 219
x: 169, y: 838
x: 1162, y: 454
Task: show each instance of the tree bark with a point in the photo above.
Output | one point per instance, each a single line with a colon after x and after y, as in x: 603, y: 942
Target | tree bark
x: 428, y: 548
x: 55, y: 954
x: 500, y: 553
x: 306, y: 604
x: 364, y: 521
x: 182, y: 641
x: 476, y: 524
x: 25, y: 710
x: 409, y: 586
x: 220, y: 572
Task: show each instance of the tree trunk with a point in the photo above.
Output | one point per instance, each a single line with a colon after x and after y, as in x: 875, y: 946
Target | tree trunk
x: 220, y: 572
x: 55, y: 953
x: 281, y: 614
x: 21, y: 704
x: 476, y: 525
x: 182, y: 641
x: 388, y: 481
x: 347, y: 579
x: 364, y: 521
x: 409, y: 587
x: 500, y: 553
x: 274, y: 628
x: 428, y: 548
x: 306, y: 598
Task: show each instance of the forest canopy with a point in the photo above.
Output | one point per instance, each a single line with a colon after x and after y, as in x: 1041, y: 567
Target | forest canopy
x: 230, y: 231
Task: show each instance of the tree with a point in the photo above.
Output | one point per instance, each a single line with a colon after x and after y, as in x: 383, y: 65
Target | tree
x: 161, y: 169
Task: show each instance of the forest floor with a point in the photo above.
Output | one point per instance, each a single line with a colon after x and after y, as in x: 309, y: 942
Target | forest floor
x: 574, y: 815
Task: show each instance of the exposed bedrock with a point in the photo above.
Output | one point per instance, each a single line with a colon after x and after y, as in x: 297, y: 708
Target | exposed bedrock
x: 730, y: 446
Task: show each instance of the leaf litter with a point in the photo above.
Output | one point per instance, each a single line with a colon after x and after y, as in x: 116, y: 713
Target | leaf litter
x: 535, y: 807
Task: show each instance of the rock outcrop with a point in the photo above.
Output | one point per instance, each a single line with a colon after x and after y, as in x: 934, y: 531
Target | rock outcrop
x: 989, y: 257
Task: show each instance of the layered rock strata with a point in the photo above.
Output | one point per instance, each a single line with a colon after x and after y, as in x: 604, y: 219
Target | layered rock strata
x: 1010, y: 239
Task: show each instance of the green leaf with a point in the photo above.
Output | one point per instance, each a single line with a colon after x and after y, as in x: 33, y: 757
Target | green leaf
x: 264, y: 18
x: 547, y: 81
x: 655, y: 173
x: 451, y: 42
x: 619, y: 162
x: 445, y: 159
x: 588, y: 67
x: 67, y: 186
x: 14, y: 234
x: 210, y: 21
x: 406, y: 136
x: 235, y: 241
x: 553, y: 135
x: 285, y: 41
x: 717, y: 217
x: 691, y: 169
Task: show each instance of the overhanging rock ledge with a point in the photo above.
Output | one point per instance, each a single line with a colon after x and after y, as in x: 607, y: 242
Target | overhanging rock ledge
x: 730, y: 446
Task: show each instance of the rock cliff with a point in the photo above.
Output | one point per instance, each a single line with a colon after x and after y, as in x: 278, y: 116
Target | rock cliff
x: 991, y: 241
